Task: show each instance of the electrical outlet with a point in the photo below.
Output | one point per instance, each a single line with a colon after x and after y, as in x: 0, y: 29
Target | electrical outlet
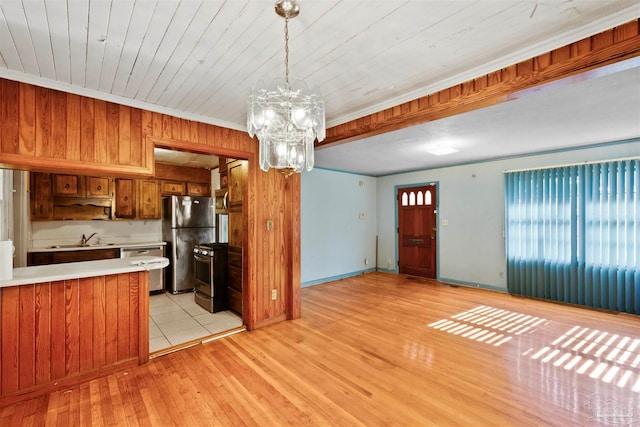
x: 274, y: 294
x: 269, y: 224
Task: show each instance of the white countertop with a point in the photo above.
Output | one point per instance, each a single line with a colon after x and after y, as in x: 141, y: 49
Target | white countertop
x: 79, y: 270
x: 62, y: 248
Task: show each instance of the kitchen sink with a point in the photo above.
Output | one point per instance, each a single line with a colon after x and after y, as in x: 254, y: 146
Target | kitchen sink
x: 80, y: 246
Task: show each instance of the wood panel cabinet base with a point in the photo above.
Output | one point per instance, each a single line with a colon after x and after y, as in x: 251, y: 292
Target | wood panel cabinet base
x: 57, y: 334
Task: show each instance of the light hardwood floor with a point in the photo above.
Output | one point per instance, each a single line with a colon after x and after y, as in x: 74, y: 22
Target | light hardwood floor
x: 380, y: 349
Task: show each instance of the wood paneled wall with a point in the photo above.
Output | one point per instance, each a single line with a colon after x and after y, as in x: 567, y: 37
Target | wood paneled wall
x: 48, y: 129
x: 182, y: 173
x: 611, y: 46
x: 51, y: 131
x: 69, y: 329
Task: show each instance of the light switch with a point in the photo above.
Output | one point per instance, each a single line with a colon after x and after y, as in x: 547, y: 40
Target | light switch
x: 444, y: 222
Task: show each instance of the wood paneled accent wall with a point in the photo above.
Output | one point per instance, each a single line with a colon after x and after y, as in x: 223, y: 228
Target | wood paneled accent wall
x: 51, y: 131
x: 608, y: 47
x: 182, y: 173
x: 48, y: 129
x: 69, y: 330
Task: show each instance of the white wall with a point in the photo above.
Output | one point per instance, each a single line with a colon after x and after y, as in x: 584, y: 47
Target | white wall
x: 335, y: 241
x: 471, y: 199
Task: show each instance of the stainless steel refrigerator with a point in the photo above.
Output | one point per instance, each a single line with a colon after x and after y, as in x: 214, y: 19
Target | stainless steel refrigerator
x: 186, y: 222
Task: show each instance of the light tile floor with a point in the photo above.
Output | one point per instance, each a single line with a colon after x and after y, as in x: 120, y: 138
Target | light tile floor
x: 176, y: 319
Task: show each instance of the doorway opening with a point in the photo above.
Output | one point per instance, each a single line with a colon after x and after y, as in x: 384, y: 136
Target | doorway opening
x: 178, y: 317
x: 417, y: 230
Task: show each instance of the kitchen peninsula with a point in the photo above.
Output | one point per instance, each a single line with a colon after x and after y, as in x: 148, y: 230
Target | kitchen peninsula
x: 65, y: 323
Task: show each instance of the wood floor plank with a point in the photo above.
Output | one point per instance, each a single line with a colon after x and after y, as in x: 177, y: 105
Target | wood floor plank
x: 380, y: 349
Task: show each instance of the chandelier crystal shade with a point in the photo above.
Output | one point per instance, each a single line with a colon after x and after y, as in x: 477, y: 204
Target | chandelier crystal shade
x: 286, y: 118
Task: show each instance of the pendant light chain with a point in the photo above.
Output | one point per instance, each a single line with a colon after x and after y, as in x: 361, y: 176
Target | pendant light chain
x: 286, y: 51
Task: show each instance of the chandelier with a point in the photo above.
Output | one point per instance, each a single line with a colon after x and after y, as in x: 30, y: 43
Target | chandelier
x: 286, y: 118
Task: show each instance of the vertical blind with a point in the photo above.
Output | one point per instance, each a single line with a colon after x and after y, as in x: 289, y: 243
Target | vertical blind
x: 573, y: 234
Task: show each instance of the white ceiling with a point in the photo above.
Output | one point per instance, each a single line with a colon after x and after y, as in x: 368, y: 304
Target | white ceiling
x: 184, y: 158
x: 587, y: 112
x: 197, y: 59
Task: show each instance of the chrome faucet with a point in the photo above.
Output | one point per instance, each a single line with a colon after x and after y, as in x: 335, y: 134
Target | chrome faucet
x: 85, y: 240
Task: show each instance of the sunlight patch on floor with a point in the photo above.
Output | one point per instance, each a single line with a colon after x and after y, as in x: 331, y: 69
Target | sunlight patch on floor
x: 610, y: 358
x: 488, y: 325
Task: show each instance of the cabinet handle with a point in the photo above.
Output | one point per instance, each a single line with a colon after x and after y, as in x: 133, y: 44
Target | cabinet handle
x: 67, y: 185
x: 99, y: 187
x: 149, y: 200
x: 126, y: 198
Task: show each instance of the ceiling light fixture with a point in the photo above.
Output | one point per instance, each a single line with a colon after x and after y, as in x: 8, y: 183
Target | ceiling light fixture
x: 441, y: 151
x: 286, y: 118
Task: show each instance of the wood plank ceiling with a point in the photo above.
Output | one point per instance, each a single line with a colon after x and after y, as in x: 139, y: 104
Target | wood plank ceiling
x: 197, y: 59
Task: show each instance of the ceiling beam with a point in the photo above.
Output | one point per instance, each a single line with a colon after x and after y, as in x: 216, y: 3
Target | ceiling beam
x: 609, y: 47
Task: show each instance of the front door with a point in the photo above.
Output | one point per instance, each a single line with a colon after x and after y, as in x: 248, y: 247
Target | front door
x: 417, y: 231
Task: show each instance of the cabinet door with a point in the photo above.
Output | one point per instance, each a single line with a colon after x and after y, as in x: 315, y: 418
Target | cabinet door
x: 176, y: 188
x: 125, y: 198
x: 84, y: 255
x: 234, y: 259
x: 198, y: 189
x: 234, y: 300
x: 235, y: 228
x: 149, y: 199
x: 98, y: 187
x: 68, y: 185
x: 38, y: 258
x: 238, y: 171
x: 41, y: 198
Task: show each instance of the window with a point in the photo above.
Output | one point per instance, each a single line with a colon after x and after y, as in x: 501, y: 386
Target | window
x: 411, y: 199
x: 573, y: 234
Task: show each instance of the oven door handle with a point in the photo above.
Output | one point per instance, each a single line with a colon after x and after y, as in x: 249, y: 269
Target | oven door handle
x: 202, y: 258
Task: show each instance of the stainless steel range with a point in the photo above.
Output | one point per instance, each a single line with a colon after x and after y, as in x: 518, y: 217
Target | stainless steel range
x: 210, y: 260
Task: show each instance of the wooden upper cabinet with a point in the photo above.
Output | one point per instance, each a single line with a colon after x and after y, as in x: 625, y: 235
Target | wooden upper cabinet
x: 238, y: 170
x: 41, y: 198
x: 148, y: 199
x: 173, y: 188
x: 198, y: 189
x: 125, y: 198
x: 68, y: 186
x: 98, y: 187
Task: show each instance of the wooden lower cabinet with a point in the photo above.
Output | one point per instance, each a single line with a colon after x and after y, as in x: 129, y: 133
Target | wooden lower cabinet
x: 234, y: 300
x: 61, y: 257
x: 234, y: 279
x: 57, y: 334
